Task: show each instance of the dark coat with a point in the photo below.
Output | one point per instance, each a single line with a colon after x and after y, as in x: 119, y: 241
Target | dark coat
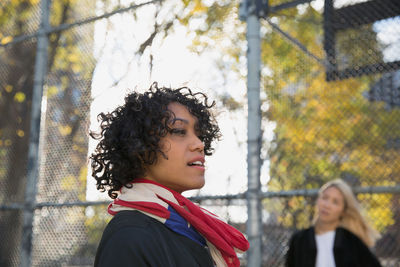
x: 134, y: 239
x: 348, y: 250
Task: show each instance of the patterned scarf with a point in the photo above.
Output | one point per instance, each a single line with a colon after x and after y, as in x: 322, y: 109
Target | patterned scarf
x: 154, y: 200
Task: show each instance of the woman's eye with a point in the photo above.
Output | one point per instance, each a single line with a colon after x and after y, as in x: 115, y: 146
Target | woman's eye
x: 178, y: 131
x: 336, y: 202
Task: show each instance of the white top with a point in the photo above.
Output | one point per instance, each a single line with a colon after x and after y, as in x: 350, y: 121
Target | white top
x: 325, y: 256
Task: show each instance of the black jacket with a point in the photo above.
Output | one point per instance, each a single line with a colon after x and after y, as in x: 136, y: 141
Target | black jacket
x: 134, y: 239
x: 348, y: 250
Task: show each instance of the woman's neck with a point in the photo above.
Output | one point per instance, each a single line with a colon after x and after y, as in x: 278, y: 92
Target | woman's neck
x: 323, y: 227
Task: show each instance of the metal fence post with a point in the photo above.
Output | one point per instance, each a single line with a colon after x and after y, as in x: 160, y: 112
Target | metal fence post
x: 254, y: 231
x: 34, y: 134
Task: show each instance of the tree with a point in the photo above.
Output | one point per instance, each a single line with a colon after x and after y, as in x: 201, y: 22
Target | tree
x: 326, y: 129
x: 64, y: 149
x: 323, y: 129
x: 15, y: 103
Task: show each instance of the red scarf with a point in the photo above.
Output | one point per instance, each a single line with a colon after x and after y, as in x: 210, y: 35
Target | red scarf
x: 153, y: 199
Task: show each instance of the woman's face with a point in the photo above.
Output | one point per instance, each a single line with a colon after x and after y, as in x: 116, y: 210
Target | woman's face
x: 184, y: 168
x: 330, y: 205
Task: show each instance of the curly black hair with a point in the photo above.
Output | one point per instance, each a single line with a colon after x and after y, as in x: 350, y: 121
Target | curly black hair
x: 130, y: 135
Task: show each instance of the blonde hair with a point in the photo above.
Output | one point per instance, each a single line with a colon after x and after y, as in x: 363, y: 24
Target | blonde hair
x: 352, y: 218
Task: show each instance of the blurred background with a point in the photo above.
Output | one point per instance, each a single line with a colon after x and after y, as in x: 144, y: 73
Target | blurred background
x: 329, y: 104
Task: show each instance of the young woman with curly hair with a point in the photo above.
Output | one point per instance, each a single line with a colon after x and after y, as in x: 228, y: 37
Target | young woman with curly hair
x: 150, y: 150
x: 340, y: 237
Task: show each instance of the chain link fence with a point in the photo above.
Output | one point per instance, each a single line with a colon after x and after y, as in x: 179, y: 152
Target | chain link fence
x: 332, y: 83
x: 333, y: 93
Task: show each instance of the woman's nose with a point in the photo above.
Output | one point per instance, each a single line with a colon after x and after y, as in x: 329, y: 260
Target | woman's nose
x: 197, y: 144
x: 325, y: 204
x: 328, y: 204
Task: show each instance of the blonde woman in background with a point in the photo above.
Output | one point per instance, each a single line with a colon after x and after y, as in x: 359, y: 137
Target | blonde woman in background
x: 340, y: 236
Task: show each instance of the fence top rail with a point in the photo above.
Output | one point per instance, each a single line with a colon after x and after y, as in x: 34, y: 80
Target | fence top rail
x: 262, y: 195
x: 313, y: 192
x: 66, y: 26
